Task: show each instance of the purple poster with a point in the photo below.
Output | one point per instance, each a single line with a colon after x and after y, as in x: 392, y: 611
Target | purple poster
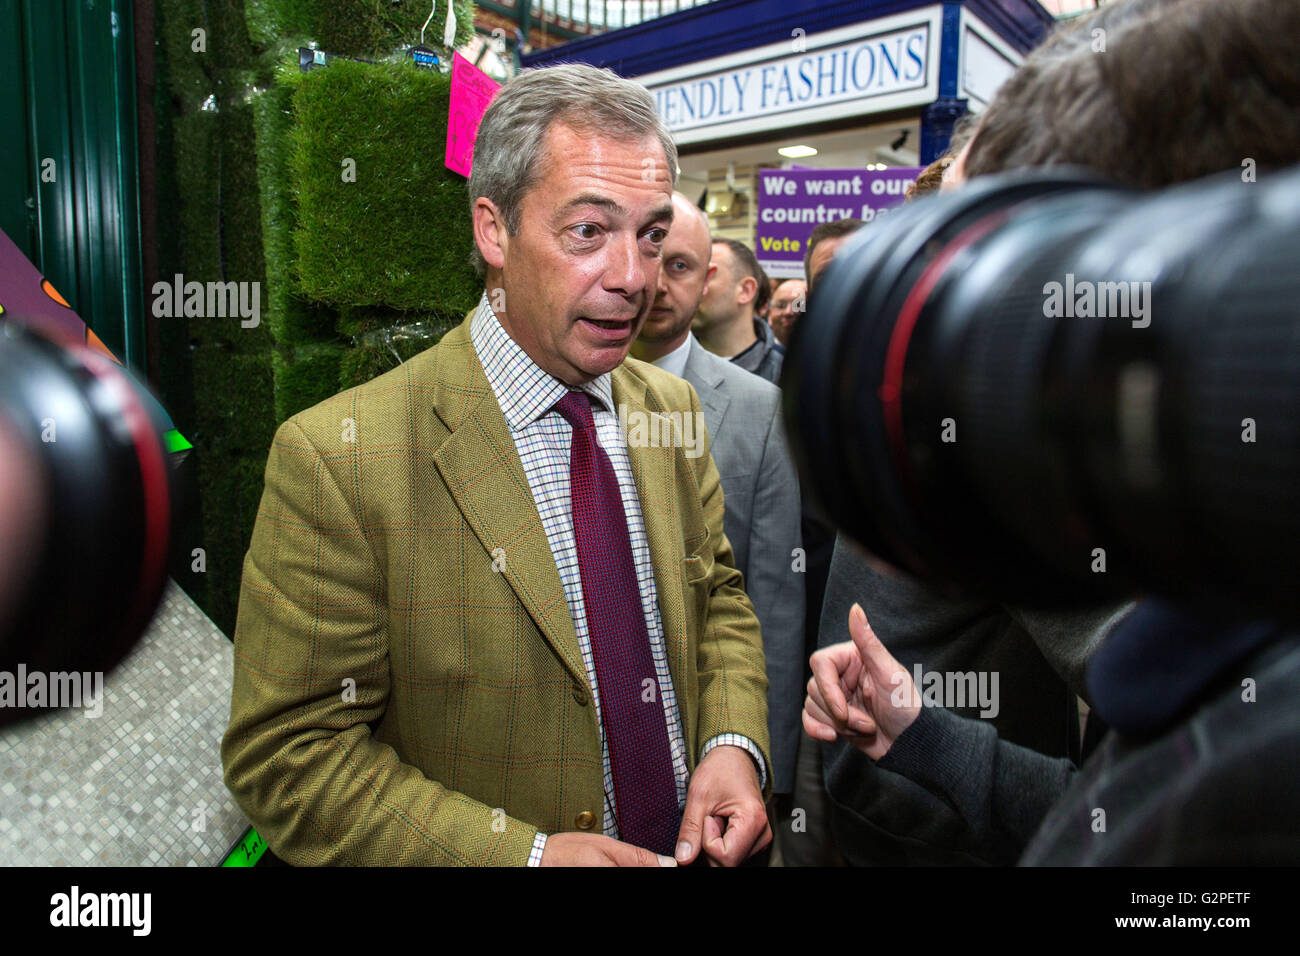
x: 791, y: 202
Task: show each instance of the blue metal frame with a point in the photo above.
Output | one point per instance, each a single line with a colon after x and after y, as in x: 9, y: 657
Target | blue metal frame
x: 730, y: 26
x: 949, y: 49
x: 937, y: 118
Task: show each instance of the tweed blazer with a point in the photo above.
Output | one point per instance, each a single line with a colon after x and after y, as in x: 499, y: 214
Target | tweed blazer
x: 408, y: 685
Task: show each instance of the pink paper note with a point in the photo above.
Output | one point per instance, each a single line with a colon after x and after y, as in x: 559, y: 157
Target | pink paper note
x: 471, y: 92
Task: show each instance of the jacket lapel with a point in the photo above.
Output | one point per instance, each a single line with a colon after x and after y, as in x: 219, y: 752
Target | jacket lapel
x: 713, y: 399
x: 481, y: 467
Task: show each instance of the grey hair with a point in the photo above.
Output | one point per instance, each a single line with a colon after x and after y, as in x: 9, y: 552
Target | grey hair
x: 508, y: 151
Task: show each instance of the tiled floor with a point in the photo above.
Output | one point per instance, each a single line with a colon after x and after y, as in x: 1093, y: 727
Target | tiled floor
x: 140, y: 784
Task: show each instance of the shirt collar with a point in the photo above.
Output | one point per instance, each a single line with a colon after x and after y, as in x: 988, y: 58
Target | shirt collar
x: 675, y: 361
x: 522, y: 388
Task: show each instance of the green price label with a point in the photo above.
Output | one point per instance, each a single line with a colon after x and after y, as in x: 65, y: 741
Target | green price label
x: 247, y: 851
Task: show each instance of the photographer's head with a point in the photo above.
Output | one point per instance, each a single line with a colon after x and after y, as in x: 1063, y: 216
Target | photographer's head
x: 1151, y: 93
x: 571, y: 200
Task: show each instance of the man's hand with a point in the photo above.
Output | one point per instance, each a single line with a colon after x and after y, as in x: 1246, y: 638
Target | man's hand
x: 592, y: 849
x: 860, y: 692
x: 724, y: 815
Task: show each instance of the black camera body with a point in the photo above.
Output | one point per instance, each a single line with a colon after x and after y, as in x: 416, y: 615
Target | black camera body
x: 96, y: 563
x: 1048, y: 390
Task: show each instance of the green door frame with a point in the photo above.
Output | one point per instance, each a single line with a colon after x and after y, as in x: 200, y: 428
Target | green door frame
x: 69, y: 171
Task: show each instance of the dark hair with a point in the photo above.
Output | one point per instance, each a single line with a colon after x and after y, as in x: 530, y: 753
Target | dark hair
x: 1096, y: 93
x: 931, y: 178
x: 828, y: 230
x: 749, y: 266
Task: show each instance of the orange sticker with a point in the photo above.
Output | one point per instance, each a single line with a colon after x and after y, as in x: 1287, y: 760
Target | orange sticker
x: 94, y: 342
x: 53, y: 293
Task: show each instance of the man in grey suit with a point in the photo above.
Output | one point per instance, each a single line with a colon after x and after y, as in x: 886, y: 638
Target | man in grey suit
x: 742, y: 414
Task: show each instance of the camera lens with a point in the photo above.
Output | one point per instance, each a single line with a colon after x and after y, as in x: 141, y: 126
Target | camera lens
x: 96, y: 555
x: 1050, y: 390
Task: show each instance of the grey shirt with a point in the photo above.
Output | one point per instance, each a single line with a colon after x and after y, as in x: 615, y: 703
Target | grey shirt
x: 765, y: 357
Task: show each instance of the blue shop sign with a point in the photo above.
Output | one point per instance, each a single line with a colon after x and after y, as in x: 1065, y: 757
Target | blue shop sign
x: 870, y: 67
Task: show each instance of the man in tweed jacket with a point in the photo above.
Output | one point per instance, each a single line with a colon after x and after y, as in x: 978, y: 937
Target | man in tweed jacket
x: 413, y: 682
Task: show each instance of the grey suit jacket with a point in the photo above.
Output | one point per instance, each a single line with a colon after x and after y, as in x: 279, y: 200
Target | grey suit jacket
x: 760, y: 486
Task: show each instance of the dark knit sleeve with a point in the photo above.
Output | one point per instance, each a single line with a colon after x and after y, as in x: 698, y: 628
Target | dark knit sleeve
x: 1002, y: 790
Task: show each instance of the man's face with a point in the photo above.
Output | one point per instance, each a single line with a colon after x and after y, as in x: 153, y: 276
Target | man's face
x: 821, y: 258
x: 684, y: 276
x: 719, y: 306
x: 581, y: 274
x: 789, y: 300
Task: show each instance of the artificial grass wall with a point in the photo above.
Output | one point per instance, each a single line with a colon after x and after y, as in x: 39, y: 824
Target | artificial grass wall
x: 360, y: 28
x: 367, y: 233
x: 355, y: 277
x: 289, y: 316
x: 399, y: 236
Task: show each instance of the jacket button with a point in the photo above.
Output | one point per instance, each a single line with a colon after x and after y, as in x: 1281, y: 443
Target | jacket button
x: 585, y: 820
x: 580, y: 695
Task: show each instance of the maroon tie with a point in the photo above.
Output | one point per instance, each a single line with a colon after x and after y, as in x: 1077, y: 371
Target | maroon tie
x: 631, y: 701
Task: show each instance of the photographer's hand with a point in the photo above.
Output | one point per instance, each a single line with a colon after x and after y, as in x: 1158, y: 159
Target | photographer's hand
x: 860, y: 692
